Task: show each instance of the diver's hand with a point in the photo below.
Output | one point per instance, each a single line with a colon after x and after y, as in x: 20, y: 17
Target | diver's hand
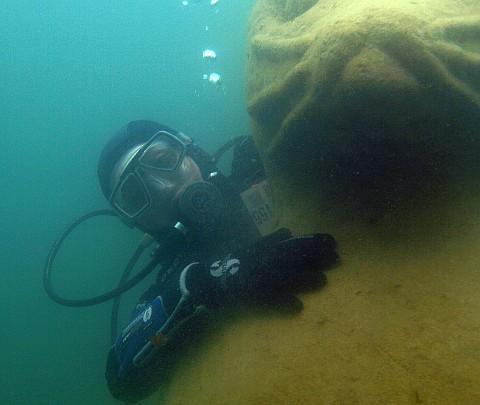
x: 287, y: 264
x: 275, y: 265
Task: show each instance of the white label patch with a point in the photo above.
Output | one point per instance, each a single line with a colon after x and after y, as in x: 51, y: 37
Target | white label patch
x: 147, y: 314
x: 259, y: 203
x: 219, y: 268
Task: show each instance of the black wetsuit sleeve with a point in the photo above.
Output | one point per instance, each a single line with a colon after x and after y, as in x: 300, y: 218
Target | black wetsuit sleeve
x: 138, y: 382
x: 143, y: 382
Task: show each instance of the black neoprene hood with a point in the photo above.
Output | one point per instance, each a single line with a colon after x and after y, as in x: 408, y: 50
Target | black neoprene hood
x: 133, y: 134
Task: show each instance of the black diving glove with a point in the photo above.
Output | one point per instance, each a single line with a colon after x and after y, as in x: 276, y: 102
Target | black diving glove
x: 277, y: 264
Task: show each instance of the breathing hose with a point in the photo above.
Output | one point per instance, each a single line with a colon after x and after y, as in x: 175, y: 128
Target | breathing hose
x: 146, y: 241
x: 124, y: 284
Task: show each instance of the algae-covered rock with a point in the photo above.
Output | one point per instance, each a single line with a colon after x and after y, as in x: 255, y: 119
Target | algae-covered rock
x: 343, y: 92
x: 367, y: 116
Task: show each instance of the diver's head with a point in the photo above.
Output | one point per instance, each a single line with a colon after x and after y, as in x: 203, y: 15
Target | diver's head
x: 153, y: 176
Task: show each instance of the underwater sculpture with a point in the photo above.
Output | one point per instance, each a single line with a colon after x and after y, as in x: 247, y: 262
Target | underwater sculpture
x: 359, y: 98
x: 367, y: 113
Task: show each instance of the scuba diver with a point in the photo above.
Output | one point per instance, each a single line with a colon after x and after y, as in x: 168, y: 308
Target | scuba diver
x: 216, y: 245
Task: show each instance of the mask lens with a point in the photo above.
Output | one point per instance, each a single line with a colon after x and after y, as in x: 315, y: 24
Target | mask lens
x: 164, y: 153
x: 131, y: 197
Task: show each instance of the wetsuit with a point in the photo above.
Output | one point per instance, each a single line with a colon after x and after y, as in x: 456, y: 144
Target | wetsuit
x: 224, y: 266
